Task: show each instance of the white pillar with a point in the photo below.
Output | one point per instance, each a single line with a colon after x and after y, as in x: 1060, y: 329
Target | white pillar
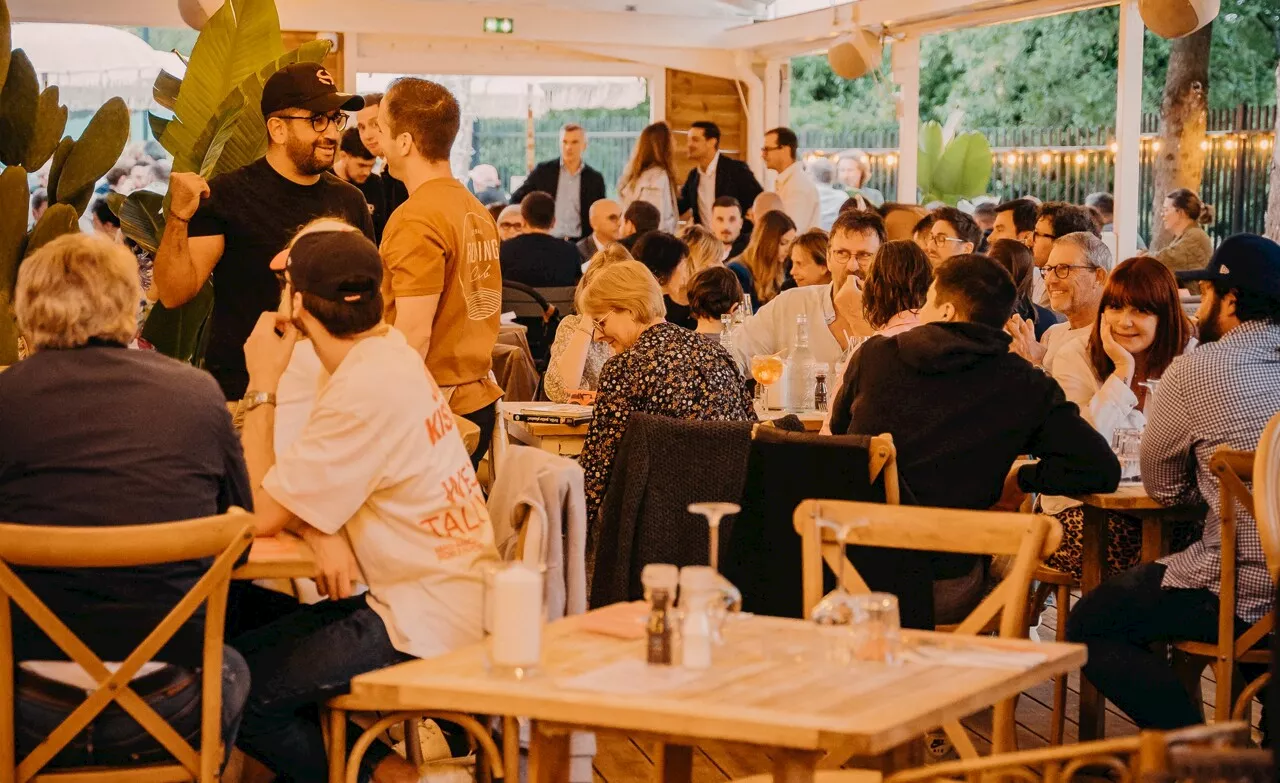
x: 906, y: 74
x: 350, y: 61
x: 658, y: 95
x: 756, y: 101
x: 1128, y: 198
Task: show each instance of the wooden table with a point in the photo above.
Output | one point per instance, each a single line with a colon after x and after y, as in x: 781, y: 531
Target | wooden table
x: 1130, y: 499
x: 769, y: 687
x: 282, y: 556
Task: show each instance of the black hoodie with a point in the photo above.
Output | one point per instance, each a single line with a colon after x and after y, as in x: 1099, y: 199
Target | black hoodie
x: 961, y: 408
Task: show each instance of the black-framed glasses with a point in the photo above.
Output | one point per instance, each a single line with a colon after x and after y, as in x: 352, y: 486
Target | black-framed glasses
x: 1063, y: 271
x: 320, y: 122
x: 770, y: 149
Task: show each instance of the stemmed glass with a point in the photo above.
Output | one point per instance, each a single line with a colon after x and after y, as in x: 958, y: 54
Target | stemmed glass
x: 714, y: 512
x: 766, y: 370
x: 836, y: 607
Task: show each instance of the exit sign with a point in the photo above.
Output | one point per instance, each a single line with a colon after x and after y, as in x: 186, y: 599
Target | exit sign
x: 502, y: 25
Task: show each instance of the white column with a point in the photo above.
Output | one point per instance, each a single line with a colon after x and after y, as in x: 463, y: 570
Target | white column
x: 773, y: 109
x: 350, y: 61
x: 906, y: 74
x: 756, y: 111
x: 658, y: 95
x: 1128, y: 130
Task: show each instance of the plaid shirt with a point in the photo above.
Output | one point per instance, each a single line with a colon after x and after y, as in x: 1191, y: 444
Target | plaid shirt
x: 1221, y: 394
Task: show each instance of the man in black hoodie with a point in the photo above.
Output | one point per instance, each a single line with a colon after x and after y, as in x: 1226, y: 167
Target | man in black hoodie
x: 961, y: 407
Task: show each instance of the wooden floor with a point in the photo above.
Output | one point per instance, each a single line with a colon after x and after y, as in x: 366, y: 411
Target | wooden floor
x: 623, y: 759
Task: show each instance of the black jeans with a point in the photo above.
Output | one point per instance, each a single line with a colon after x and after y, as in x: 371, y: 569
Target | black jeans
x: 486, y: 419
x: 298, y: 662
x: 114, y: 738
x: 1120, y: 620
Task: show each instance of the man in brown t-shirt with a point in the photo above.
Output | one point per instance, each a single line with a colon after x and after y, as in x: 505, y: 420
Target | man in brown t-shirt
x: 443, y: 282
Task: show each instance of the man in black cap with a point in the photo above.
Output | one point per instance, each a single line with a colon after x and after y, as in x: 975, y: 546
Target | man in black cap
x: 230, y: 228
x: 379, y: 464
x: 1223, y: 393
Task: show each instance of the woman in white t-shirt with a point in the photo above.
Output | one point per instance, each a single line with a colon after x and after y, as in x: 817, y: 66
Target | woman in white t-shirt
x: 650, y: 175
x: 1140, y: 329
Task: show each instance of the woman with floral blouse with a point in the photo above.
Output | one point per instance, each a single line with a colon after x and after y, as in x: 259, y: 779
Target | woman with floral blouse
x: 659, y: 368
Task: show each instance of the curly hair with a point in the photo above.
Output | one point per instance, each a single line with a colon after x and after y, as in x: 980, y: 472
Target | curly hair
x: 899, y: 280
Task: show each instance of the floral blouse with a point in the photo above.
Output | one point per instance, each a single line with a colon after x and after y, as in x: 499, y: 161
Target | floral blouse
x: 670, y: 371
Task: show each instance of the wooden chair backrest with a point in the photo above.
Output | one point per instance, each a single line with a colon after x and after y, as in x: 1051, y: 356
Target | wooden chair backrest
x: 1028, y: 538
x: 1266, y: 494
x: 1234, y: 469
x: 224, y: 538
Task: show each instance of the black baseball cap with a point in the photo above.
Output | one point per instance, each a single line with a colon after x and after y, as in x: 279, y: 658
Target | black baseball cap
x: 1246, y: 262
x: 306, y: 86
x: 338, y: 266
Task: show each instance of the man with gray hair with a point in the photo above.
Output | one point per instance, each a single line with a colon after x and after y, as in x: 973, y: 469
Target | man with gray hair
x: 570, y: 181
x: 1074, y: 276
x: 830, y: 198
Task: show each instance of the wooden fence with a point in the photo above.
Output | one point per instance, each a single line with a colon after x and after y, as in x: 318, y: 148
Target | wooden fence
x: 1054, y: 164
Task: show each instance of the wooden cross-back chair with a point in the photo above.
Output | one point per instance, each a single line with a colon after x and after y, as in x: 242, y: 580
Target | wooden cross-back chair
x: 1028, y: 538
x: 1234, y: 469
x: 223, y: 538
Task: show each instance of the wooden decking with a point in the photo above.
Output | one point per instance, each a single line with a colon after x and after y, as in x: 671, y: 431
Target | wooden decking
x: 623, y: 759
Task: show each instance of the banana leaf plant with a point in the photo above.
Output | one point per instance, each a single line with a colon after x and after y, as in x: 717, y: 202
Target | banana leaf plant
x: 950, y: 170
x: 217, y: 127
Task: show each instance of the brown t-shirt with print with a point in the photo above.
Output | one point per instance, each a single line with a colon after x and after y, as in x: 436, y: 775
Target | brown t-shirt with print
x: 443, y: 241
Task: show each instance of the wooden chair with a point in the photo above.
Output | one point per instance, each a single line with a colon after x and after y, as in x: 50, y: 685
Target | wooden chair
x: 1148, y: 757
x: 1233, y: 469
x: 1029, y: 538
x: 223, y: 538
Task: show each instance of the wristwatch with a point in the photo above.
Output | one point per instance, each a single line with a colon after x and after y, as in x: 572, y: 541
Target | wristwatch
x: 253, y: 399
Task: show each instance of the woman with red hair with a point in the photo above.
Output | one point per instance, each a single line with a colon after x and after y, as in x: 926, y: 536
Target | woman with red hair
x: 1140, y: 329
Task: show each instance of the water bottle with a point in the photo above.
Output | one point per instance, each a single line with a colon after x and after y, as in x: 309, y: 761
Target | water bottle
x: 726, y: 332
x: 798, y: 372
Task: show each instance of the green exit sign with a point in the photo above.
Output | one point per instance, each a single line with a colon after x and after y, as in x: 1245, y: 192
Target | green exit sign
x: 502, y: 25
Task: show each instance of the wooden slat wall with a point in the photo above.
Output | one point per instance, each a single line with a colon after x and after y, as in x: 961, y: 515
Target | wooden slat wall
x: 333, y: 63
x: 695, y: 96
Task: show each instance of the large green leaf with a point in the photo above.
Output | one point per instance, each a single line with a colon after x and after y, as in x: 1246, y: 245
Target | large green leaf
x: 18, y: 101
x: 51, y: 121
x: 240, y: 37
x: 165, y: 90
x: 57, y: 220
x: 13, y: 236
x: 140, y: 216
x: 6, y: 40
x: 930, y: 154
x: 965, y: 168
x: 157, y: 124
x: 249, y: 142
x: 178, y: 332
x: 219, y: 132
x: 96, y: 151
x: 59, y: 159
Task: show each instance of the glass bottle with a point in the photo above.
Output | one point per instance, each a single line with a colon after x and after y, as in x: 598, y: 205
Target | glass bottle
x: 659, y: 628
x: 798, y: 373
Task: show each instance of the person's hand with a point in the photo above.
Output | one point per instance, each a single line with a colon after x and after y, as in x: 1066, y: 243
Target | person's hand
x: 1122, y: 359
x: 266, y: 354
x: 1024, y: 342
x: 848, y: 300
x: 186, y: 189
x: 336, y: 566
x: 1011, y: 496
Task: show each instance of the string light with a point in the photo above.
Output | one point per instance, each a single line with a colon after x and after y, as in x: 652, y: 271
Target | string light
x: 891, y: 159
x: 1115, y: 147
x: 1011, y: 159
x: 1155, y: 146
x: 1229, y: 144
x: 1045, y: 159
x: 1204, y: 145
x: 1264, y: 143
x: 1080, y: 159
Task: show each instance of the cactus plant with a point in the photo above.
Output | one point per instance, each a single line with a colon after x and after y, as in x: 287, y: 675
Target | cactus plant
x: 31, y: 132
x: 954, y: 169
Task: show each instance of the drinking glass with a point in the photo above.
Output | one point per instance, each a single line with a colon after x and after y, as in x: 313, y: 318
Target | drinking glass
x: 1126, y: 442
x: 731, y: 595
x: 876, y: 631
x: 1151, y: 386
x: 766, y: 370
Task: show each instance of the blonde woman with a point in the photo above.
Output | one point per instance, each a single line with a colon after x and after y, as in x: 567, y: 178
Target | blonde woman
x: 650, y: 175
x: 576, y: 357
x: 660, y: 368
x: 705, y: 251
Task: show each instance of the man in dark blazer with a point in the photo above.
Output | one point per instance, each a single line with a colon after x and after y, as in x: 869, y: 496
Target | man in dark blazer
x: 583, y: 185
x: 732, y: 177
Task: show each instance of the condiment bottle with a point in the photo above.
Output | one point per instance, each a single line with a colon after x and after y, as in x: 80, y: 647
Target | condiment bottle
x: 659, y: 627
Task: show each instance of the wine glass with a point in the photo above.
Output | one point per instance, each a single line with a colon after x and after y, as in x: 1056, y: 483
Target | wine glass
x: 731, y: 596
x: 766, y: 370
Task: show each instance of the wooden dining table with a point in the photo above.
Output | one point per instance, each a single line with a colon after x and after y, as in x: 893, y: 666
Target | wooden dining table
x: 771, y: 685
x: 1132, y: 500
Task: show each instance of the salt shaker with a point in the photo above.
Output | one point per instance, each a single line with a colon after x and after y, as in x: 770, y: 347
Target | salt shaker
x: 699, y: 589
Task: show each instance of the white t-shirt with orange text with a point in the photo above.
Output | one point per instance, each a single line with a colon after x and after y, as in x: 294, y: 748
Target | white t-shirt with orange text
x: 380, y: 459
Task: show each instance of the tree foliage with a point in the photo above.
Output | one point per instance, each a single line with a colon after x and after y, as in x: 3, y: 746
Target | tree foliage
x: 1059, y: 71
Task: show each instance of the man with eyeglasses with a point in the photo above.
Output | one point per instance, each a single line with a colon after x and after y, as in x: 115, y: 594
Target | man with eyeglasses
x: 229, y: 229
x: 798, y: 192
x: 953, y: 233
x: 855, y: 238
x: 1075, y: 276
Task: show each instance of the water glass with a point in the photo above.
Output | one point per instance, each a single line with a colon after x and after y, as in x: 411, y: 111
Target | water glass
x: 514, y: 615
x: 876, y: 632
x: 1126, y: 442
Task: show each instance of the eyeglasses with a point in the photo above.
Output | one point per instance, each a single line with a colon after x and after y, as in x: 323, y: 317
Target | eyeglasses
x: 769, y: 149
x: 320, y: 122
x: 1042, y: 235
x: 1063, y: 271
x: 843, y: 256
x: 941, y: 240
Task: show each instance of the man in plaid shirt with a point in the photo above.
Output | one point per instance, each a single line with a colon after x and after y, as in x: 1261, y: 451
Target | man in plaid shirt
x: 1221, y: 394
